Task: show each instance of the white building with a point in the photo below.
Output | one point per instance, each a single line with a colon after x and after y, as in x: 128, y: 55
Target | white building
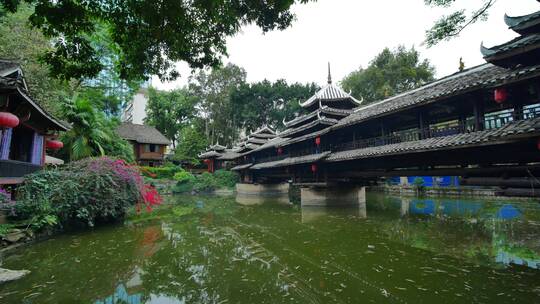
x: 135, y: 109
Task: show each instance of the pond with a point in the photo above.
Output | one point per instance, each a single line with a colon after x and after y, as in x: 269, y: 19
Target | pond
x: 216, y: 250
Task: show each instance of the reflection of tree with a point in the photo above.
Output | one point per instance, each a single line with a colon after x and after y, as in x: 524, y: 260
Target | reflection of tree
x: 78, y: 268
x: 484, y: 232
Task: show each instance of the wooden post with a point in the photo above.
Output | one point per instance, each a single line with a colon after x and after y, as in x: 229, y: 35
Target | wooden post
x: 421, y: 124
x: 479, y: 118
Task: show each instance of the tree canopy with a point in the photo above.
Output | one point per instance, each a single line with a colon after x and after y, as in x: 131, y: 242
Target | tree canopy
x: 451, y: 25
x: 149, y: 36
x: 388, y: 74
x: 170, y: 112
x: 267, y: 103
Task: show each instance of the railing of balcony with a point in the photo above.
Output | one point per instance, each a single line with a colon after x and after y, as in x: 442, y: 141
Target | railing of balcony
x: 492, y: 121
x: 13, y: 168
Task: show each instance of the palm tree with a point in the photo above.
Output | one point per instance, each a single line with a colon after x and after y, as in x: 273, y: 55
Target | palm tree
x: 89, y: 130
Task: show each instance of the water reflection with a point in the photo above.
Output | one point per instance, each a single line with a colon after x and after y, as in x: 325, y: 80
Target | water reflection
x: 252, y: 200
x: 215, y: 250
x: 313, y: 213
x: 121, y: 296
x: 502, y: 232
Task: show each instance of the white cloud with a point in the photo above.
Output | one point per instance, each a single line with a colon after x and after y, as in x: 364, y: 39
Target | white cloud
x: 349, y: 33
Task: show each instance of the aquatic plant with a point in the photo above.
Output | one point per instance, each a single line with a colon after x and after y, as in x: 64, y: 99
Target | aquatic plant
x: 86, y: 191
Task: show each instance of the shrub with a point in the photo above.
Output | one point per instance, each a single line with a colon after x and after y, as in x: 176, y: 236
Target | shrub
x: 166, y: 171
x: 205, y: 183
x: 83, y: 192
x: 226, y: 179
x: 185, y: 181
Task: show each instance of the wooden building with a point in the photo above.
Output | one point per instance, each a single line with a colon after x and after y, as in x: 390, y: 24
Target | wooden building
x: 149, y: 145
x: 482, y: 121
x: 219, y: 157
x: 26, y: 129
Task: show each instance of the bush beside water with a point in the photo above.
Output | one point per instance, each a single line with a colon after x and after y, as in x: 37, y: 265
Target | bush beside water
x: 84, y: 193
x: 206, y: 182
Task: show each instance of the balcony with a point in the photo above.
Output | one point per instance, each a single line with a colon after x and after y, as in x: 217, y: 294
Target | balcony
x: 12, y: 171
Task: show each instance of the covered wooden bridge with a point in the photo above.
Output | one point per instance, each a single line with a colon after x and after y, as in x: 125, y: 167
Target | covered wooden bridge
x: 479, y: 122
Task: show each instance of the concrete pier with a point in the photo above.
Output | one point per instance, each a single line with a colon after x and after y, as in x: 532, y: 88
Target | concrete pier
x: 256, y: 194
x: 333, y: 196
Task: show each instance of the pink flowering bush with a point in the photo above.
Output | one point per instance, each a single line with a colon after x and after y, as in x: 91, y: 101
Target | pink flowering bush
x: 86, y: 191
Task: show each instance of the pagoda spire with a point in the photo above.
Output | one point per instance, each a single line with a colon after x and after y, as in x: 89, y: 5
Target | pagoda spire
x: 329, y: 75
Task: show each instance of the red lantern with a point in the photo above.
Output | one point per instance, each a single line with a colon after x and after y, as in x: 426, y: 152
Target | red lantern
x: 500, y: 95
x: 54, y: 144
x: 280, y: 151
x: 206, y: 161
x: 313, y: 168
x: 318, y: 140
x: 538, y: 144
x: 8, y: 120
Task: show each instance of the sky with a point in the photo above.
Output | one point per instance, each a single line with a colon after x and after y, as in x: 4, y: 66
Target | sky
x: 350, y: 33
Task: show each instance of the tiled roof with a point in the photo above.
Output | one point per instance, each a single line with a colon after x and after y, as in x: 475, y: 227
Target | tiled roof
x: 291, y: 161
x: 529, y: 126
x: 520, y: 23
x: 330, y: 92
x: 519, y: 42
x: 8, y: 67
x: 258, y: 141
x: 217, y: 147
x: 241, y: 167
x: 229, y: 155
x: 299, y: 119
x: 321, y: 121
x: 209, y: 154
x: 142, y: 134
x: 483, y: 76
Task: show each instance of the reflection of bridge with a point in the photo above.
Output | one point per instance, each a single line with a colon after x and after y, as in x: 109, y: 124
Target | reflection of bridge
x: 480, y: 122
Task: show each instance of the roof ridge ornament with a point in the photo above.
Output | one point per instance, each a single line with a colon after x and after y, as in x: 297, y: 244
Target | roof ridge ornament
x: 329, y: 74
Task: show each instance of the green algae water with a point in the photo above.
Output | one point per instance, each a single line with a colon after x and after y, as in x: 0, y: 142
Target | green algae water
x: 223, y: 250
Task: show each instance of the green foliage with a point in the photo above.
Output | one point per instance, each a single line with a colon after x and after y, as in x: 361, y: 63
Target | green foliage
x: 149, y: 36
x: 5, y: 229
x: 213, y: 89
x: 183, y: 177
x: 170, y: 111
x: 205, y: 183
x: 92, y: 133
x: 24, y: 44
x: 266, y: 103
x: 82, y: 192
x: 166, y: 171
x: 225, y: 178
x: 453, y: 24
x: 191, y: 142
x: 388, y: 74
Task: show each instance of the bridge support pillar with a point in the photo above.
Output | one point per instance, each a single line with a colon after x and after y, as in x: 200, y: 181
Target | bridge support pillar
x: 333, y: 196
x: 254, y: 194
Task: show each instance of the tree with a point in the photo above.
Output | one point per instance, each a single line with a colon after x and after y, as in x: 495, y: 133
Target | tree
x: 170, y: 111
x: 23, y: 44
x: 388, y: 74
x: 450, y: 26
x: 191, y: 142
x: 149, y: 35
x: 213, y: 89
x: 266, y: 103
x: 91, y: 133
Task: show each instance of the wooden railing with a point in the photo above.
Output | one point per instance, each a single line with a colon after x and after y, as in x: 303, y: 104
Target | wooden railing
x: 491, y: 121
x: 13, y: 168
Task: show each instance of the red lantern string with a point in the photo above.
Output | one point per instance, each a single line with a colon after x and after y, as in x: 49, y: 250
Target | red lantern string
x: 318, y: 141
